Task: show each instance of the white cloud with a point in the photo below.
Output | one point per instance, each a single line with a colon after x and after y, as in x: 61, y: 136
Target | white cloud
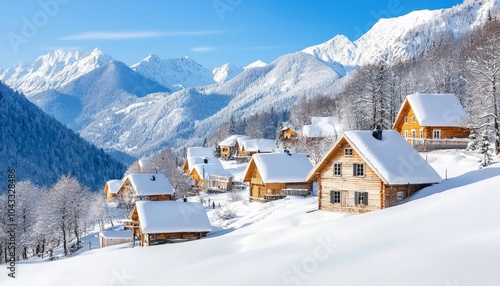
x: 127, y: 35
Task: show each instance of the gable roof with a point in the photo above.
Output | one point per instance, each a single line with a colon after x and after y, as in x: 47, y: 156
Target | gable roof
x: 215, y: 169
x: 439, y: 110
x: 143, y: 184
x: 172, y: 216
x: 198, y: 155
x: 112, y: 186
x: 280, y: 167
x: 392, y: 158
x: 232, y: 140
x: 256, y: 145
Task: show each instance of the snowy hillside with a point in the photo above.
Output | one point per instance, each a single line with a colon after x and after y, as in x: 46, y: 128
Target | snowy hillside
x: 446, y: 236
x: 409, y: 35
x: 174, y: 73
x: 53, y: 70
x: 256, y: 64
x: 42, y: 149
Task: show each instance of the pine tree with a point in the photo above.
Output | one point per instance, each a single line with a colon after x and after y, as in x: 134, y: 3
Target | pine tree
x: 473, y: 144
x: 484, y: 149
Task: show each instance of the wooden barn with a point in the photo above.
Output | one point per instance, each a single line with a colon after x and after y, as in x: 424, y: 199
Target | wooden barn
x: 145, y: 186
x: 229, y: 146
x: 113, y: 237
x: 366, y: 171
x: 111, y: 189
x: 155, y: 222
x: 274, y: 176
x: 431, y: 117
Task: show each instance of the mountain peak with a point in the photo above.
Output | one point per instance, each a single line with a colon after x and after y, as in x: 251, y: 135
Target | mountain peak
x: 256, y: 64
x: 225, y: 72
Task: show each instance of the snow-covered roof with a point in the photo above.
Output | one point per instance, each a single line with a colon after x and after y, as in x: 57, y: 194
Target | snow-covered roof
x: 437, y: 109
x: 198, y: 155
x: 232, y: 140
x: 113, y: 186
x: 149, y: 184
x: 321, y: 127
x: 116, y: 234
x: 281, y: 167
x: 172, y: 216
x: 394, y: 160
x: 256, y: 145
x: 319, y: 130
x: 215, y: 169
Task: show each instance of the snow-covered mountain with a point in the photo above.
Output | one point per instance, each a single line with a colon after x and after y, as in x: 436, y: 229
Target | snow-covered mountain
x: 81, y: 101
x: 404, y: 37
x: 174, y: 73
x: 226, y: 72
x: 160, y: 120
x: 42, y: 149
x: 52, y: 70
x: 256, y: 64
x: 114, y: 107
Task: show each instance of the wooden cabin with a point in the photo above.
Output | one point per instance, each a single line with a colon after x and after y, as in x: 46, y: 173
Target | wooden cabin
x: 113, y: 237
x: 366, y: 171
x: 254, y: 146
x: 229, y: 146
x: 288, y: 134
x: 157, y: 222
x: 431, y: 116
x: 211, y: 176
x: 274, y: 176
x: 198, y: 155
x: 145, y: 186
x: 111, y: 189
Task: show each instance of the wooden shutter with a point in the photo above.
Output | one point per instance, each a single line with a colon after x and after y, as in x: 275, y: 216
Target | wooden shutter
x: 365, y: 198
x: 332, y: 197
x: 354, y: 169
x: 356, y: 198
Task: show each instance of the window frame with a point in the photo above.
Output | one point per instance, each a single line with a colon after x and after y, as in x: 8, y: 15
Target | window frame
x: 335, y: 197
x: 413, y: 119
x: 406, y: 119
x: 434, y: 131
x: 356, y: 170
x: 405, y: 134
x: 337, y: 167
x: 361, y: 197
x: 350, y: 151
x: 413, y: 133
x: 400, y: 196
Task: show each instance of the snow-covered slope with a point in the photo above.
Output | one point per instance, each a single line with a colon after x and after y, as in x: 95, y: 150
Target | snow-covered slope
x: 256, y: 64
x: 174, y: 73
x: 52, y: 70
x: 447, y: 236
x: 226, y: 72
x: 403, y: 37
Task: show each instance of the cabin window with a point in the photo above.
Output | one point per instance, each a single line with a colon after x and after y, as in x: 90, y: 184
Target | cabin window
x: 421, y: 132
x: 361, y: 198
x: 335, y: 197
x: 413, y: 134
x: 413, y: 119
x: 406, y: 134
x: 348, y: 151
x: 337, y: 169
x: 436, y: 134
x: 358, y: 170
x: 406, y: 119
x: 400, y: 195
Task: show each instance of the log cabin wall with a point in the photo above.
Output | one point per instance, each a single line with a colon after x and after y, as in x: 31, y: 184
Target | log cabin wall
x: 348, y: 184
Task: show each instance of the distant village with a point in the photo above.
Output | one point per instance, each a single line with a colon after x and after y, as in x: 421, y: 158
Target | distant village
x: 362, y: 171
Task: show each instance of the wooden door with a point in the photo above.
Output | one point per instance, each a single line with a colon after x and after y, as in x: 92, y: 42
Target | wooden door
x: 343, y: 198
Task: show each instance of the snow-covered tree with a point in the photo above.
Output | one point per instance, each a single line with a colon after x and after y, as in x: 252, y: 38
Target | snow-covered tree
x: 473, y: 143
x: 484, y: 150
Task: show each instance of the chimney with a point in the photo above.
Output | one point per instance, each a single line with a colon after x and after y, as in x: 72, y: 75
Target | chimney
x: 377, y: 133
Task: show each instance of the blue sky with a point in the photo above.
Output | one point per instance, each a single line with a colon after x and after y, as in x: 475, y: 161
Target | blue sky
x: 212, y: 32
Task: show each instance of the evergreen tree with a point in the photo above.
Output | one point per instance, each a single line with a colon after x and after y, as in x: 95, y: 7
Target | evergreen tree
x: 484, y: 149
